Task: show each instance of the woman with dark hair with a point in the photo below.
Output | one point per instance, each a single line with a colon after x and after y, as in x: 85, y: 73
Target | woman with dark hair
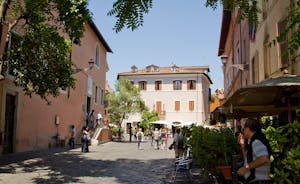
x: 257, y: 164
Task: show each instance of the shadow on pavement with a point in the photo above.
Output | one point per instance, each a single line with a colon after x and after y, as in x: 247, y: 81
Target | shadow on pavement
x: 61, y: 166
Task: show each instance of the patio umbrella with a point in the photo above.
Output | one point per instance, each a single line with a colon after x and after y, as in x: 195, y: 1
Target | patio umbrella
x: 269, y: 97
x: 162, y: 122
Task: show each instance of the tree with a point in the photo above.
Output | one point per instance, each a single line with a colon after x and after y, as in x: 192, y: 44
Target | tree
x: 147, y: 118
x: 39, y: 57
x: 124, y: 100
x: 130, y: 14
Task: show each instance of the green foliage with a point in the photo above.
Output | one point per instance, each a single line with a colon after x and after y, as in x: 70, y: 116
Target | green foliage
x: 116, y: 130
x: 41, y: 60
x: 148, y: 118
x: 130, y: 14
x: 213, y: 147
x: 125, y: 100
x: 284, y: 142
x: 291, y: 32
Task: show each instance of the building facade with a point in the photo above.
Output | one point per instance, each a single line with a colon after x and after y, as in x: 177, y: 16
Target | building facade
x: 178, y: 94
x: 252, y: 56
x: 29, y: 123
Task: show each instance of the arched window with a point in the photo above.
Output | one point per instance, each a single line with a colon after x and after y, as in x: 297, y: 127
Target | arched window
x: 97, y: 56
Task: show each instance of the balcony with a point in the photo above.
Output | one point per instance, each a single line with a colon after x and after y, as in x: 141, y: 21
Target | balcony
x: 162, y: 115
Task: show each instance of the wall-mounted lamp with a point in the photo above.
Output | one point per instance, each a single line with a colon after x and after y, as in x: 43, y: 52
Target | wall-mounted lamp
x: 224, y: 59
x: 238, y: 66
x: 91, y: 65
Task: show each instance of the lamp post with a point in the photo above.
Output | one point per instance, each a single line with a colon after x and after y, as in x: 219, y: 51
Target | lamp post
x: 238, y: 66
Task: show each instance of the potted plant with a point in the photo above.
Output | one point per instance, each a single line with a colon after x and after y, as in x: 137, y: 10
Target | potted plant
x: 213, y: 148
x: 227, y: 146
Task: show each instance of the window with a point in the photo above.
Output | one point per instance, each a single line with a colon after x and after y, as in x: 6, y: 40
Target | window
x: 191, y: 105
x: 177, y: 105
x: 96, y: 94
x: 102, y: 97
x: 158, y: 107
x: 255, y: 69
x: 97, y: 56
x: 191, y: 84
x: 157, y: 85
x: 267, y: 65
x: 177, y: 85
x: 143, y: 85
x: 283, y: 45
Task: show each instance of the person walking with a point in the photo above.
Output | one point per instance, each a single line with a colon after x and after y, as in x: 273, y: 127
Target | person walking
x: 90, y: 119
x: 72, y: 137
x: 156, y: 137
x: 152, y: 136
x: 163, y: 138
x: 257, y: 164
x: 84, y: 139
x: 175, y: 142
x: 99, y: 119
x: 134, y: 133
x: 130, y: 133
x: 140, y: 136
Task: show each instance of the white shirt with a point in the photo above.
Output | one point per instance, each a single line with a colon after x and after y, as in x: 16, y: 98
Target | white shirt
x: 99, y: 116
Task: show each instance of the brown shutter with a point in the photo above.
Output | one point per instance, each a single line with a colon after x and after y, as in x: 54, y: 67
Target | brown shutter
x: 145, y: 85
x: 180, y: 85
x: 191, y: 105
x: 173, y: 85
x: 177, y: 105
x: 160, y: 85
x: 158, y: 107
x: 188, y: 84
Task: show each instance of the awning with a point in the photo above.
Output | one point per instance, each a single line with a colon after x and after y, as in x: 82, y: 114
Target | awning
x: 269, y: 97
x: 162, y: 122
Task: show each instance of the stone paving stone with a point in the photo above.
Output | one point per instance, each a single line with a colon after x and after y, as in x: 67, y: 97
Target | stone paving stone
x: 109, y: 163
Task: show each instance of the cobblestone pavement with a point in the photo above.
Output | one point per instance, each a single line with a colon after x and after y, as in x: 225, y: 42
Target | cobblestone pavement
x: 111, y: 163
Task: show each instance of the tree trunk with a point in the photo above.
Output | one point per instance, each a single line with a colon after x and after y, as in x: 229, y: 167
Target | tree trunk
x: 4, y: 30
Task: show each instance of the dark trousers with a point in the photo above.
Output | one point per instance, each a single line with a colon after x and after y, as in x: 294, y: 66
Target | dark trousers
x: 72, y: 143
x: 85, y: 145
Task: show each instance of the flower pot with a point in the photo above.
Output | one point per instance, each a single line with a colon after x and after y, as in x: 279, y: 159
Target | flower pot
x: 226, y: 171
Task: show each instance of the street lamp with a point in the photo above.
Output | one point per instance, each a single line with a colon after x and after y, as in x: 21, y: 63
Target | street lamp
x: 224, y: 59
x: 91, y: 65
x: 238, y: 66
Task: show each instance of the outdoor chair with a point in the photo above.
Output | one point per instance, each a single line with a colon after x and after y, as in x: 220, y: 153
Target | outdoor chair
x: 182, y: 165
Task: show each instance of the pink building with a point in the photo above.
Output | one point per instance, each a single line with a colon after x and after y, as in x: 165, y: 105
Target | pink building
x: 29, y: 123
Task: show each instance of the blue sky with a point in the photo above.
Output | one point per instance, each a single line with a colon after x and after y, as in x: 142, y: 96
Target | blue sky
x: 185, y: 33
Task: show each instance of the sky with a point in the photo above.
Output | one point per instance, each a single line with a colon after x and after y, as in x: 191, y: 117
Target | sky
x: 185, y: 33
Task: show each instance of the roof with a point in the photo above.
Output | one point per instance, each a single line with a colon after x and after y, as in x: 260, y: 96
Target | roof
x: 168, y: 71
x: 226, y: 18
x: 99, y: 35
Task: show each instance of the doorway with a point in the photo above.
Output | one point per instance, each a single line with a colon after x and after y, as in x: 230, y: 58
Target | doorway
x: 88, y: 104
x: 9, y: 129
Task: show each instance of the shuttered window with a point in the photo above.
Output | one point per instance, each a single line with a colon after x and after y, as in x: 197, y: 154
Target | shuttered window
x: 283, y: 45
x: 177, y: 85
x: 158, y: 85
x: 191, y: 84
x: 143, y: 85
x: 191, y: 105
x: 158, y: 107
x: 177, y: 105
